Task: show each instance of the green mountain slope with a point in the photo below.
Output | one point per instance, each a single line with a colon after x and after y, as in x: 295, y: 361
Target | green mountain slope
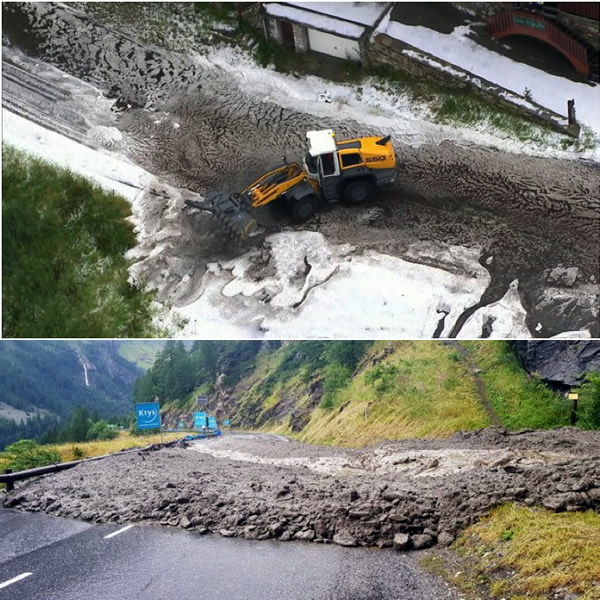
x: 140, y: 352
x: 41, y: 381
x: 353, y: 393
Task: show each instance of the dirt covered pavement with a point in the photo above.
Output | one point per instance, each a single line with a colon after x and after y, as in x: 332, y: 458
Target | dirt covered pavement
x: 409, y: 494
x: 198, y: 126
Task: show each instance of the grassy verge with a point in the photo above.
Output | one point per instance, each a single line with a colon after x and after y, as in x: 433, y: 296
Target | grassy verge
x: 63, y: 263
x: 75, y: 451
x: 520, y: 400
x: 421, y: 390
x: 525, y: 553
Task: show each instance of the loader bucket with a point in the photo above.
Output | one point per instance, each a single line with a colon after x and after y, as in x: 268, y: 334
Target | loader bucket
x: 233, y: 212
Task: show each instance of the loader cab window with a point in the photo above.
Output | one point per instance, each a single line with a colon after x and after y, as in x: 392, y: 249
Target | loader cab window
x: 328, y: 164
x: 351, y: 160
x: 311, y: 163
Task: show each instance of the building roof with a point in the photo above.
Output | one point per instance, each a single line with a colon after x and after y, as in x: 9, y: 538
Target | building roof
x: 315, y: 20
x: 361, y: 13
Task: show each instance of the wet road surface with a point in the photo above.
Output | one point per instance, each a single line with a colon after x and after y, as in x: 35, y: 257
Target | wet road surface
x: 50, y: 558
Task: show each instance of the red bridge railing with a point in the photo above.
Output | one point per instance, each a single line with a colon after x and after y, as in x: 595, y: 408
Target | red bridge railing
x: 515, y: 22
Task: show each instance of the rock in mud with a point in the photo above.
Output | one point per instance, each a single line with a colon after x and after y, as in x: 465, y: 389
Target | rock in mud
x: 344, y: 539
x: 401, y: 541
x: 368, y: 497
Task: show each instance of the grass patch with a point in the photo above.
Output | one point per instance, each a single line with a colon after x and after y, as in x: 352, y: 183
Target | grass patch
x: 521, y: 401
x: 418, y: 391
x: 533, y: 553
x: 70, y: 451
x: 63, y: 263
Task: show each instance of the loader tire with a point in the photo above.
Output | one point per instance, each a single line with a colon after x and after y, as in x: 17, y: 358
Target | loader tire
x: 357, y: 192
x: 304, y: 208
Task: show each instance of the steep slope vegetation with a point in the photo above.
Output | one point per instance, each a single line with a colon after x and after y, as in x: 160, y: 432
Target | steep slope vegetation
x: 354, y: 393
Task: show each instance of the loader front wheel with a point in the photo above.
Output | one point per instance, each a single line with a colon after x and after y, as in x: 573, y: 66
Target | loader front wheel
x: 304, y: 208
x: 357, y: 192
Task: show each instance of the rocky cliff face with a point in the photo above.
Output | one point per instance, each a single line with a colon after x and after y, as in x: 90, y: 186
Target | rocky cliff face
x: 562, y: 363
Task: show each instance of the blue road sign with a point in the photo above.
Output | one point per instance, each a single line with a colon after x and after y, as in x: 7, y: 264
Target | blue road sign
x: 148, y: 415
x: 199, y: 420
x: 226, y: 422
x: 212, y: 423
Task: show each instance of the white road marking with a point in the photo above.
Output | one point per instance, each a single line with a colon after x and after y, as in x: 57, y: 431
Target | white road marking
x: 117, y: 532
x: 14, y: 580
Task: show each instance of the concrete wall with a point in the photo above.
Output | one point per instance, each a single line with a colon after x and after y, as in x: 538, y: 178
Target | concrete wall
x: 423, y: 66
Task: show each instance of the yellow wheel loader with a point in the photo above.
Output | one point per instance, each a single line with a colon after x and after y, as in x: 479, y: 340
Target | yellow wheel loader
x: 331, y: 170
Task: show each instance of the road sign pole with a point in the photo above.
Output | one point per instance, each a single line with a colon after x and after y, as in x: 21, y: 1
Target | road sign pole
x: 573, y: 398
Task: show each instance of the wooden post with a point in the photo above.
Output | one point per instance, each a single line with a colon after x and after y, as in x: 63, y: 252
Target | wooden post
x: 571, y: 112
x: 10, y: 484
x: 573, y: 398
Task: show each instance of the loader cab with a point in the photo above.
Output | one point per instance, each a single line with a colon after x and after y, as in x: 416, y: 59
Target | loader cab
x: 322, y: 162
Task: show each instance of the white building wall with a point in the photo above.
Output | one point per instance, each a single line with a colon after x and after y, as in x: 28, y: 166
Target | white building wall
x: 326, y: 43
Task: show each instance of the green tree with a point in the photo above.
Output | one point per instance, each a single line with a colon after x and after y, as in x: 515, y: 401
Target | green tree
x: 345, y: 352
x: 101, y: 431
x: 79, y: 425
x: 336, y: 377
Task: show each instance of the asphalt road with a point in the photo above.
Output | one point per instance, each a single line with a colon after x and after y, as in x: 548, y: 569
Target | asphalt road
x: 50, y: 558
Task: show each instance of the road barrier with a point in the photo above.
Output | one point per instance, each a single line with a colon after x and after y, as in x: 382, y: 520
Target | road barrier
x: 9, y: 478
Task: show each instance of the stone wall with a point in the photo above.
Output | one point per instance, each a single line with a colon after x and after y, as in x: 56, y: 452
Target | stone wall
x: 586, y: 29
x: 403, y: 57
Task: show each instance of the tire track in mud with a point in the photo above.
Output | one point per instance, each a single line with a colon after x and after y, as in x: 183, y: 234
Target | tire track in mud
x: 541, y: 214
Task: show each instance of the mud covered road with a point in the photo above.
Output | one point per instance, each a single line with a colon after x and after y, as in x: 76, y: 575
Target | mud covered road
x: 195, y: 126
x: 408, y: 495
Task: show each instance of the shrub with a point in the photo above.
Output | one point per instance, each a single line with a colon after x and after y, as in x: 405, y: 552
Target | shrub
x: 336, y: 377
x: 101, y: 431
x: 382, y: 377
x: 589, y: 414
x: 78, y: 453
x: 28, y: 454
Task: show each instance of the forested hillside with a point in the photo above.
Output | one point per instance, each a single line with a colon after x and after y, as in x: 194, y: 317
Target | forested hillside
x: 357, y: 392
x: 41, y: 382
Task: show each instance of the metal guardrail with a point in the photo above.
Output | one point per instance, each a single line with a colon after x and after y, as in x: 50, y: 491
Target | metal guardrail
x: 9, y: 478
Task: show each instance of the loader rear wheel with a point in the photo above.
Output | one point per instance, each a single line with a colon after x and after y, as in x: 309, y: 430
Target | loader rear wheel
x: 357, y: 192
x: 304, y: 208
